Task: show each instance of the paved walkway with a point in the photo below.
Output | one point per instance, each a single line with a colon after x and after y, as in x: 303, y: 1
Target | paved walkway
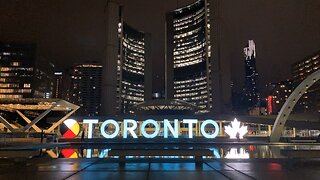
x: 45, y: 168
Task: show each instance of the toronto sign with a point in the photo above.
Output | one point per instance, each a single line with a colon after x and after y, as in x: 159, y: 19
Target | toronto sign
x: 170, y: 128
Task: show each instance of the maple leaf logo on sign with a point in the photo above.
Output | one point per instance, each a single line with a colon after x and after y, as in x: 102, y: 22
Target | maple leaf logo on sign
x: 235, y: 129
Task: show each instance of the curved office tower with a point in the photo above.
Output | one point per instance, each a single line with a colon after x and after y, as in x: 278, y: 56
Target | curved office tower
x: 189, y: 53
x: 127, y: 68
x: 130, y: 68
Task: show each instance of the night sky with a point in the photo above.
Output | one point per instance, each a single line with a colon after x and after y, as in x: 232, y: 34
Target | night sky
x: 72, y: 31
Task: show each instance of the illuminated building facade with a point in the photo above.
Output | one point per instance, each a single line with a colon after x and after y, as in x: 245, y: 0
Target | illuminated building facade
x: 85, y: 88
x: 21, y: 75
x: 301, y: 70
x: 127, y: 69
x: 130, y: 68
x: 193, y: 70
x: 188, y: 56
x: 251, y: 74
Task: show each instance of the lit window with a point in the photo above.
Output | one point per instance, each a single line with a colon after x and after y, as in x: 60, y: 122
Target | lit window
x: 26, y: 85
x: 15, y: 64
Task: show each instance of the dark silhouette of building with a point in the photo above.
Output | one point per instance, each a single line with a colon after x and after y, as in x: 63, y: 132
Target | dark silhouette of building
x: 278, y: 95
x: 85, y: 88
x: 62, y: 81
x: 251, y: 74
x: 58, y: 81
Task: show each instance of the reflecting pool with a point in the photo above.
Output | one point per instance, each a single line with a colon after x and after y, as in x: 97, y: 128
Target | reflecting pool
x: 224, y: 152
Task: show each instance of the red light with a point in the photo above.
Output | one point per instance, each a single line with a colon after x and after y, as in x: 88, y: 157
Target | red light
x: 69, y: 134
x: 251, y: 148
x: 270, y: 104
x: 274, y: 166
x: 68, y: 153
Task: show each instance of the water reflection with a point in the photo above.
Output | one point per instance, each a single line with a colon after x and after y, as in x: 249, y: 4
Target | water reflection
x: 228, y: 152
x: 235, y: 153
x: 218, y: 151
x: 69, y: 153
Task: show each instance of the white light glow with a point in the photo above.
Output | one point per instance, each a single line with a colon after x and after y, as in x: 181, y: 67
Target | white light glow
x: 89, y: 153
x: 235, y: 154
x: 131, y: 129
x: 167, y: 126
x: 90, y: 123
x: 203, y: 131
x: 235, y: 129
x: 250, y: 51
x: 156, y: 128
x: 103, y: 127
x: 69, y: 122
x: 190, y: 122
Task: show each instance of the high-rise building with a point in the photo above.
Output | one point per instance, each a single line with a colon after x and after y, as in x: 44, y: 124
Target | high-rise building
x: 278, y: 95
x: 62, y: 81
x: 85, y: 88
x: 193, y: 69
x: 251, y: 74
x: 21, y: 75
x: 127, y: 69
x: 301, y: 70
x: 131, y: 68
x: 193, y: 73
x: 58, y: 81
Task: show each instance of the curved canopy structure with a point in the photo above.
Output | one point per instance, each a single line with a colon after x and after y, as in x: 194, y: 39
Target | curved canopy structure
x: 290, y: 103
x: 35, y: 104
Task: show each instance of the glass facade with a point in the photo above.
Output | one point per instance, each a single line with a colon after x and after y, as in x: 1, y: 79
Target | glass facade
x: 130, y: 68
x: 191, y: 54
x: 21, y: 76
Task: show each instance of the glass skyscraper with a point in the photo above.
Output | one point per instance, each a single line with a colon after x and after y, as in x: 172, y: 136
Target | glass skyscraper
x: 188, y: 60
x: 127, y: 74
x: 130, y: 68
x: 193, y: 70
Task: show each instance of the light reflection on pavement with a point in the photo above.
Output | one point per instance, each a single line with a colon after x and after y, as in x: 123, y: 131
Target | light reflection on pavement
x: 93, y: 162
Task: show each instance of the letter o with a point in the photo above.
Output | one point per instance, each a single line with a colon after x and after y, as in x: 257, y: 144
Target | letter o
x: 216, y: 128
x: 103, y: 126
x: 143, y: 131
